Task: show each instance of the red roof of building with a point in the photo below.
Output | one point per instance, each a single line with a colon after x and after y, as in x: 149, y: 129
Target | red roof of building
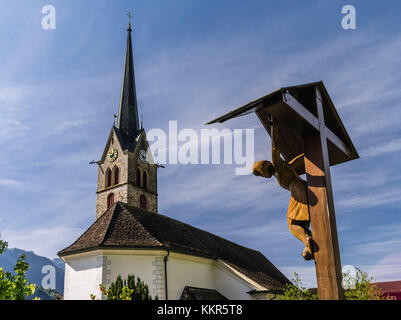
x: 389, y: 286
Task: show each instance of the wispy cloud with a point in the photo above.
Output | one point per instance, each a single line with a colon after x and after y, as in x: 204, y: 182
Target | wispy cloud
x: 53, y: 124
x: 307, y: 274
x: 369, y: 199
x: 43, y: 241
x: 383, y: 147
x: 388, y: 268
x: 199, y: 187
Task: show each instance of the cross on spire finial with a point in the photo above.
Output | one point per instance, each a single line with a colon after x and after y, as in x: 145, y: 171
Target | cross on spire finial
x: 128, y: 120
x: 129, y: 18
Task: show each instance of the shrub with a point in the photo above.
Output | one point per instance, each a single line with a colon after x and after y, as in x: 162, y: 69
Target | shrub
x: 128, y: 289
x: 296, y: 291
x: 363, y: 287
x: 15, y: 287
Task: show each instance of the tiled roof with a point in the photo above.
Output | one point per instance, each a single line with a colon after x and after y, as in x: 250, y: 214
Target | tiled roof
x: 389, y: 286
x: 124, y: 226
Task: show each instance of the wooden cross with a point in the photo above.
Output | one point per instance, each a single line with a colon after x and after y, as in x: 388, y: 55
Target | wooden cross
x: 322, y: 214
x: 304, y: 130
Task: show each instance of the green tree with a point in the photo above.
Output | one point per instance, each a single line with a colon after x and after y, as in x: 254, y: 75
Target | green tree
x: 3, y: 246
x: 15, y: 287
x: 296, y: 290
x: 129, y: 289
x: 362, y: 287
x: 116, y: 289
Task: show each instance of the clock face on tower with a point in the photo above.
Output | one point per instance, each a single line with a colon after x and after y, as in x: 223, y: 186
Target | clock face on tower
x: 142, y: 156
x: 112, y: 155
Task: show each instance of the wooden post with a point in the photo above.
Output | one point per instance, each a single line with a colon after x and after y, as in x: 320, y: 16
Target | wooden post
x: 321, y: 208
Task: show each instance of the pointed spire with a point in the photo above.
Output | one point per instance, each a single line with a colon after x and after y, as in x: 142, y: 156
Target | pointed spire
x: 128, y: 121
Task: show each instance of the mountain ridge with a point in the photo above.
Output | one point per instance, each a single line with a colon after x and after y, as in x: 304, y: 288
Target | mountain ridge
x: 9, y: 258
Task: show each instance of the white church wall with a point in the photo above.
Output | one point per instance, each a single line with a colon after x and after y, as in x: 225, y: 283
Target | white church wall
x: 186, y: 270
x: 147, y: 265
x: 83, y: 274
x: 230, y: 285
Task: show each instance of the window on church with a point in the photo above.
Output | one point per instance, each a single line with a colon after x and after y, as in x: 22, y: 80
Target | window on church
x: 145, y: 180
x: 142, y: 202
x: 138, y: 177
x: 110, y: 200
x: 108, y: 177
x: 116, y: 175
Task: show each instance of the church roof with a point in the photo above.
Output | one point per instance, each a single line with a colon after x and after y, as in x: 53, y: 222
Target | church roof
x: 127, y: 120
x: 128, y: 143
x: 123, y: 227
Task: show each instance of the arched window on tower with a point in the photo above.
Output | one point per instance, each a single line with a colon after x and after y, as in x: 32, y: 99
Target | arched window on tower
x: 116, y: 175
x: 145, y: 180
x: 142, y: 202
x: 138, y: 177
x: 110, y: 200
x: 108, y: 177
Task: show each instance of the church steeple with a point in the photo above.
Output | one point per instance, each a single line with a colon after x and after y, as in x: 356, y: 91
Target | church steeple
x: 126, y: 171
x: 127, y: 121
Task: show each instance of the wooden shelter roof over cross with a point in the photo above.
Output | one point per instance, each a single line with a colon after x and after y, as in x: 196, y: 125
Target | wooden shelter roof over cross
x: 299, y: 115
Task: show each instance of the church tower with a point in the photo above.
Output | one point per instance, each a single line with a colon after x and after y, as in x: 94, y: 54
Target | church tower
x: 126, y: 171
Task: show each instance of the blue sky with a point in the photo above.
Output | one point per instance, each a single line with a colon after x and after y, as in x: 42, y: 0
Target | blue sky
x: 195, y: 60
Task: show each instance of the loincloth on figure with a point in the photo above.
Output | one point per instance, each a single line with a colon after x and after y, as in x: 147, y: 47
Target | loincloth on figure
x: 304, y: 224
x: 298, y: 207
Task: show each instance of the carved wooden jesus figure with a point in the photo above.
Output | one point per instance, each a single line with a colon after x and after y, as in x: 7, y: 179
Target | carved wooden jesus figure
x: 298, y: 212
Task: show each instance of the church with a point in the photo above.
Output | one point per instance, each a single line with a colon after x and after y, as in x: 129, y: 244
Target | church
x: 129, y: 235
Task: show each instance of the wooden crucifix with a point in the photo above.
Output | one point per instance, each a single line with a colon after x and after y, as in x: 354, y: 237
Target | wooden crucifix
x: 309, y: 124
